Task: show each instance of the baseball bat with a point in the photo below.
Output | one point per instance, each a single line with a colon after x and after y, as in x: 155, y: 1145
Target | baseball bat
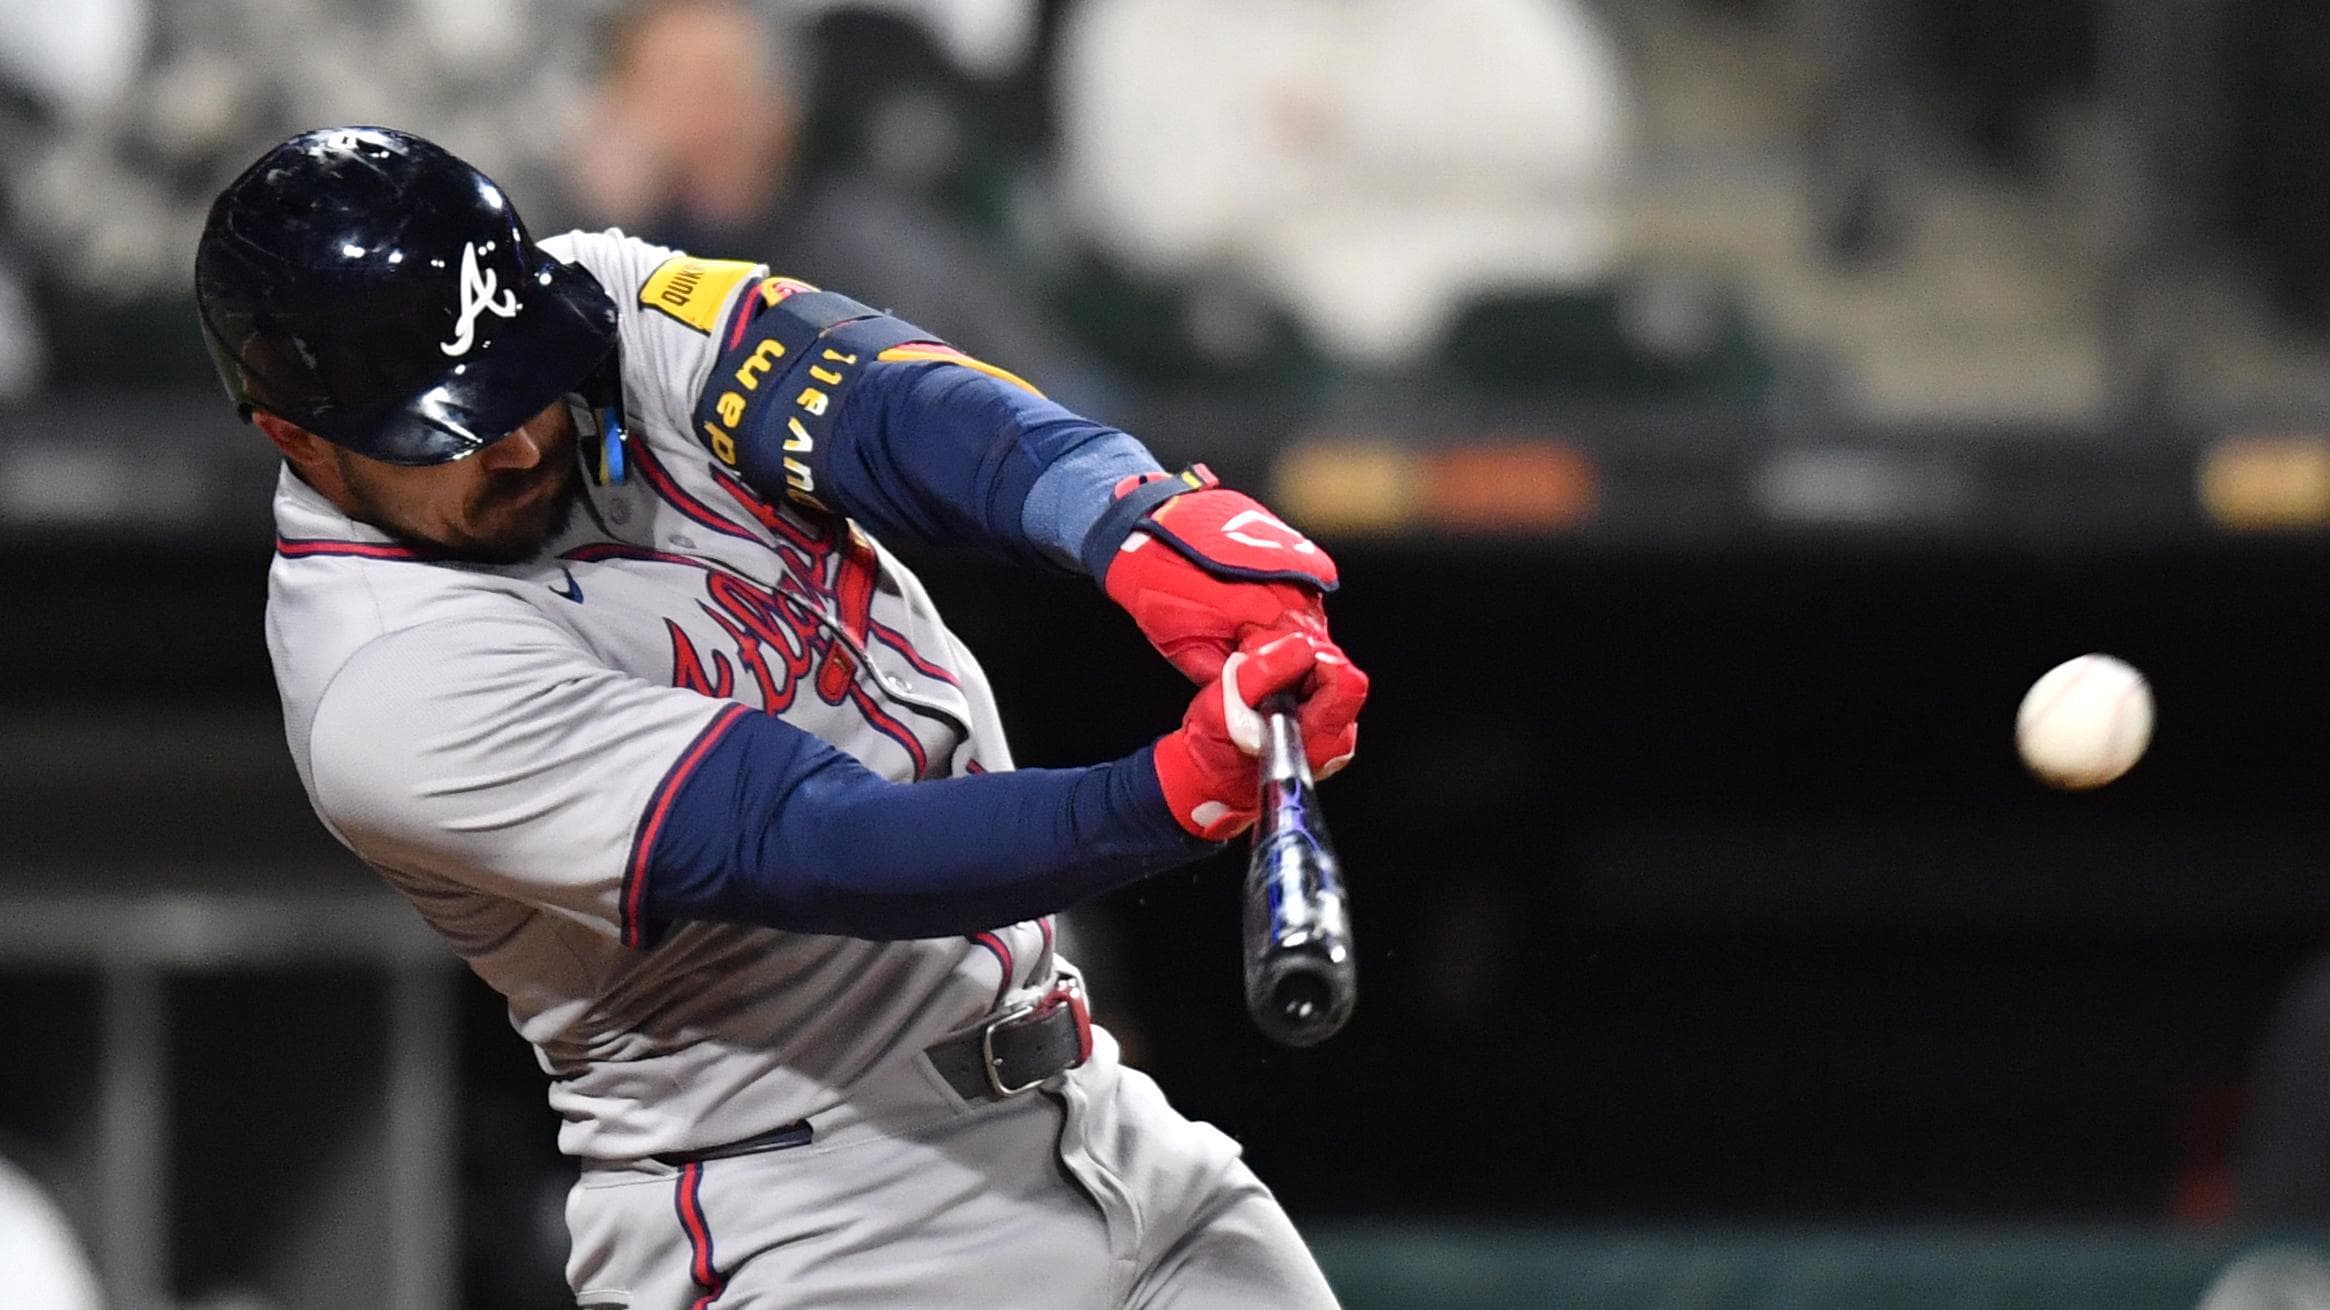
x: 1300, y: 978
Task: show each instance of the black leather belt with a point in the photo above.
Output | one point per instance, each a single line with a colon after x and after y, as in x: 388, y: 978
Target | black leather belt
x: 1018, y: 1050
x: 793, y: 1134
x: 1014, y: 1052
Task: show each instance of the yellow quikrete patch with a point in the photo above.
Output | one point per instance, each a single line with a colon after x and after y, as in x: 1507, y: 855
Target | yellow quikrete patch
x: 691, y: 289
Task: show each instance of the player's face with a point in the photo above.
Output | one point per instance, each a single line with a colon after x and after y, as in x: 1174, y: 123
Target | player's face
x: 498, y: 505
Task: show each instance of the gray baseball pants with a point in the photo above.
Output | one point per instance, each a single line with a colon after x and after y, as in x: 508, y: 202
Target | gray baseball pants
x: 1089, y: 1194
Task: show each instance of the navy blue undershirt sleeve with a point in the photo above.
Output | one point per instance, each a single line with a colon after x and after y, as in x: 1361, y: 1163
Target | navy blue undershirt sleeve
x: 778, y: 828
x: 1070, y: 497
x: 946, y: 455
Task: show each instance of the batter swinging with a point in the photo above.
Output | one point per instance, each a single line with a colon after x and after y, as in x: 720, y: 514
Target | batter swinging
x: 589, y: 643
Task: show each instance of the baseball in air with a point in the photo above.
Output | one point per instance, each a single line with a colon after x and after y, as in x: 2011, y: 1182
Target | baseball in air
x: 2085, y: 722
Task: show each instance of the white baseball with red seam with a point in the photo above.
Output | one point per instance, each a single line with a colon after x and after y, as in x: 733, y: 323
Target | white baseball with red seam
x: 2084, y: 723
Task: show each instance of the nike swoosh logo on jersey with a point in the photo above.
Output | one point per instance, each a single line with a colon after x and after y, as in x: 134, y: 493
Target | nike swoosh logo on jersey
x: 572, y: 590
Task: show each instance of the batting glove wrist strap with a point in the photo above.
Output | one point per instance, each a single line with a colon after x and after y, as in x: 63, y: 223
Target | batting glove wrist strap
x: 1205, y: 569
x: 1135, y: 499
x: 1227, y: 534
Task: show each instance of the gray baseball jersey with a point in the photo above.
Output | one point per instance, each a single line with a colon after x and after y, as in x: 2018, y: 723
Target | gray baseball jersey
x: 499, y: 743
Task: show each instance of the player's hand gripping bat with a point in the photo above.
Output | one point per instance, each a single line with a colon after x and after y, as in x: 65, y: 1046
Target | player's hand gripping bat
x: 1300, y: 978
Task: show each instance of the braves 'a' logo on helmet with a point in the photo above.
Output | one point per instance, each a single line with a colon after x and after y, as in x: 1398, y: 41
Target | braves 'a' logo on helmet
x: 479, y: 288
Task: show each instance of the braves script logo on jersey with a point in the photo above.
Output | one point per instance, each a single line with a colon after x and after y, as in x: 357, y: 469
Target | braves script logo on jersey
x: 821, y: 609
x: 481, y: 293
x: 819, y: 616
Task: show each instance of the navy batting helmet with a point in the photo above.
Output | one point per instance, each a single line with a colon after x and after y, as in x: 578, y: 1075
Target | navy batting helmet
x: 370, y: 287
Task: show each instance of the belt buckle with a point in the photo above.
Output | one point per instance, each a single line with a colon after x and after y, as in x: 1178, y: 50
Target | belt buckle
x: 1068, y: 990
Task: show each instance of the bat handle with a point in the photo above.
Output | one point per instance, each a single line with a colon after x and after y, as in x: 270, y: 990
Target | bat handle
x: 1284, y: 760
x: 1301, y: 984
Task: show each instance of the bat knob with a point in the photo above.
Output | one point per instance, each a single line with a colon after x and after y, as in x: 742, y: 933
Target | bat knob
x: 1301, y: 997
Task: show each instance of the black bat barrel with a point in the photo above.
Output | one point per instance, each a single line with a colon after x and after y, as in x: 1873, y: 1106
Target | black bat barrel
x: 1300, y: 978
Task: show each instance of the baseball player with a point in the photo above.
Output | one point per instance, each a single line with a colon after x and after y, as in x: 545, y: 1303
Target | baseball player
x: 590, y: 644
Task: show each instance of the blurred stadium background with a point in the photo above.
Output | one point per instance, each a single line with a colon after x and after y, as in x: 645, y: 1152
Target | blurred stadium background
x: 1722, y: 410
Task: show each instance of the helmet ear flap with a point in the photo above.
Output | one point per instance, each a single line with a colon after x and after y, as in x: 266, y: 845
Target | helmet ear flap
x: 598, y: 406
x: 604, y: 440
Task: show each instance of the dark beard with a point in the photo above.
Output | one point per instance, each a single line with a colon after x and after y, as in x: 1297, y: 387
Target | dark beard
x: 513, y: 543
x: 519, y: 545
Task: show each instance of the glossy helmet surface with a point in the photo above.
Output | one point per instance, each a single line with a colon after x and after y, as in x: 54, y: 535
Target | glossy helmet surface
x: 374, y: 289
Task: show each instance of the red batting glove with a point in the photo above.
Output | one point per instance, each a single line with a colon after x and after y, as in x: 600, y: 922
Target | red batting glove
x: 1208, y: 767
x: 1209, y: 570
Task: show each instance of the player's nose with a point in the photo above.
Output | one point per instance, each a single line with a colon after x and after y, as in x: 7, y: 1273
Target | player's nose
x: 519, y: 450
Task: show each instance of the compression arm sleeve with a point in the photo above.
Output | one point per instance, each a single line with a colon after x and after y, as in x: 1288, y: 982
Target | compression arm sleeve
x: 770, y: 825
x: 944, y: 454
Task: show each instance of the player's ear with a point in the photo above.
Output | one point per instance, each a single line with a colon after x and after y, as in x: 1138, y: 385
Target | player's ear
x: 298, y: 445
x: 306, y: 451
x: 309, y: 455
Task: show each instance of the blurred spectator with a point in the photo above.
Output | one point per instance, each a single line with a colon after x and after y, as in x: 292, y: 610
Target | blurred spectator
x: 70, y: 60
x: 41, y: 1259
x: 59, y: 65
x: 988, y: 39
x: 1366, y: 165
x: 117, y: 194
x: 108, y: 188
x: 695, y: 139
